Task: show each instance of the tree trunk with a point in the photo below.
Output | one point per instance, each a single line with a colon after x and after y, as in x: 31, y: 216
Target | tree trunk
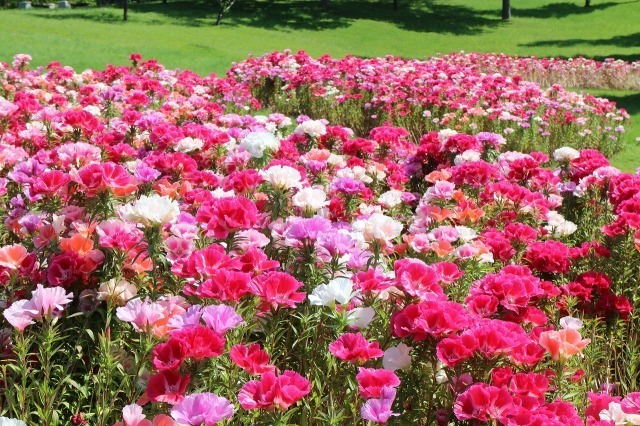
x: 395, y: 4
x: 587, y: 3
x: 506, y: 10
x: 125, y: 7
x: 220, y: 13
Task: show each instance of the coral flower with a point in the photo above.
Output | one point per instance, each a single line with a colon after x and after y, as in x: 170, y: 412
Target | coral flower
x: 12, y: 256
x: 562, y: 344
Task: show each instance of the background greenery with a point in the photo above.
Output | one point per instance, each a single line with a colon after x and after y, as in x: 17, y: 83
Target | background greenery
x: 181, y: 34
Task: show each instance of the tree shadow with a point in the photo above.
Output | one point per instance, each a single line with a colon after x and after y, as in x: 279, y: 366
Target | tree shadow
x: 102, y: 15
x: 418, y: 16
x: 629, y: 40
x: 293, y: 15
x: 629, y: 102
x: 562, y: 10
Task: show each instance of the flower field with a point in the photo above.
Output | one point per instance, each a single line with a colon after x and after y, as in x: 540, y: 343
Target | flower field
x: 448, y: 92
x: 394, y: 242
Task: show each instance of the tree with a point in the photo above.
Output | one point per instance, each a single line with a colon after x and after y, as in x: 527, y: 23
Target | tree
x: 506, y: 10
x: 224, y: 7
x: 587, y: 3
x: 125, y: 7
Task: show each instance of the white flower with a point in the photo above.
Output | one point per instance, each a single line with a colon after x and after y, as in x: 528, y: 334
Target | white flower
x: 120, y: 291
x: 189, y: 144
x: 445, y: 134
x: 378, y: 227
x: 311, y: 199
x: 571, y: 323
x: 360, y: 317
x: 151, y: 210
x: 256, y: 143
x: 283, y: 177
x: 93, y: 110
x: 391, y: 198
x: 565, y: 154
x: 558, y: 225
x: 5, y: 421
x: 397, y: 357
x: 313, y: 128
x: 466, y: 234
x: 469, y: 156
x: 338, y: 290
x: 565, y: 228
x: 615, y: 413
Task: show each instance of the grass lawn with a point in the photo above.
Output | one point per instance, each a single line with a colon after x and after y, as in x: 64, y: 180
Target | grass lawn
x: 181, y: 34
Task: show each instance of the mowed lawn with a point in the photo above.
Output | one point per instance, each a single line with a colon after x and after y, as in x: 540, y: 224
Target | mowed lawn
x: 181, y: 34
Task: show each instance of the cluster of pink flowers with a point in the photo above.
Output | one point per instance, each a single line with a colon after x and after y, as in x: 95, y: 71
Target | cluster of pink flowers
x: 454, y: 91
x: 573, y: 72
x: 296, y: 269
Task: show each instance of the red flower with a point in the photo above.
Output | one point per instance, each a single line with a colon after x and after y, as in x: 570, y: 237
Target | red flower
x: 371, y: 381
x: 354, y: 348
x: 277, y: 289
x: 252, y: 359
x: 167, y: 386
x: 274, y: 391
x: 548, y: 256
x: 201, y: 342
x: 169, y: 355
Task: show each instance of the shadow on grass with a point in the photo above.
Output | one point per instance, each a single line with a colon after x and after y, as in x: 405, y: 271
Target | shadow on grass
x: 418, y: 16
x: 294, y: 15
x: 629, y: 102
x: 562, y: 10
x: 629, y: 40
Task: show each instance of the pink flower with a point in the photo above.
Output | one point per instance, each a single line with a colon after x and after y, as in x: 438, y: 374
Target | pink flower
x: 354, y: 348
x: 379, y: 410
x: 203, y: 409
x: 278, y: 289
x: 371, y: 381
x: 274, y: 391
x: 221, y: 318
x: 140, y: 313
x: 483, y: 402
x: 226, y: 215
x: 50, y: 301
x: 20, y: 314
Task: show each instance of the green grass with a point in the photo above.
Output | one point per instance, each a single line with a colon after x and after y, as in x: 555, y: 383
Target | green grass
x: 181, y: 34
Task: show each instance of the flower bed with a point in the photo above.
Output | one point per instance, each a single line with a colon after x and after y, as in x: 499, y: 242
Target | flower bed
x: 422, y: 96
x: 577, y: 72
x: 163, y: 258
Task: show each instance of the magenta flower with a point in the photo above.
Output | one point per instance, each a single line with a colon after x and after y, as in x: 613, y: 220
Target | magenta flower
x: 203, y: 409
x: 354, y: 348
